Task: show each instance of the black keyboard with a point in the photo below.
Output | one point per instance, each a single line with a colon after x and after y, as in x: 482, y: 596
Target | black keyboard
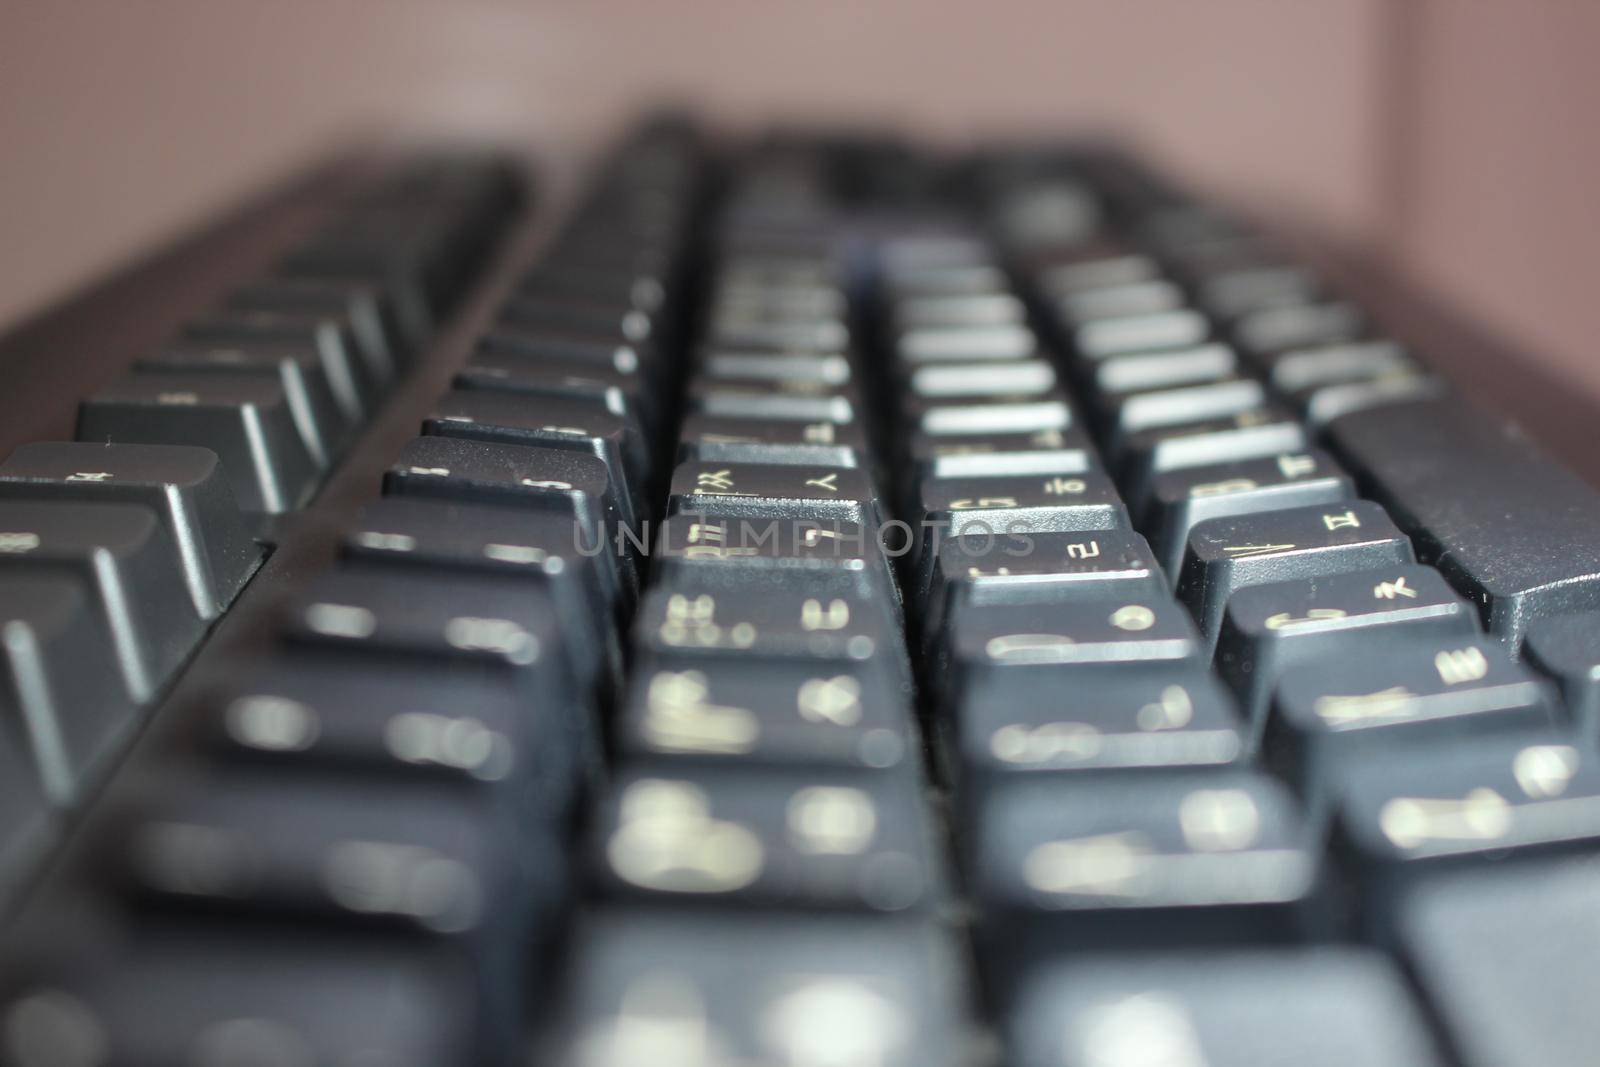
x: 819, y: 601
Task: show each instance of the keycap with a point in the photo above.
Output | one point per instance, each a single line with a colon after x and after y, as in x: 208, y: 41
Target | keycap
x: 1230, y: 293
x: 247, y: 421
x: 302, y: 711
x: 965, y: 310
x: 1410, y: 692
x: 806, y: 839
x: 765, y: 491
x: 716, y: 552
x: 618, y: 389
x: 361, y: 308
x: 1510, y: 529
x: 1025, y: 377
x: 772, y: 621
x: 1148, y: 713
x: 1072, y: 500
x: 1302, y: 370
x: 552, y: 424
x: 961, y: 344
x: 1004, y: 415
x: 348, y: 376
x: 1566, y: 648
x: 747, y: 710
x: 536, y: 547
x: 780, y: 405
x: 1103, y: 338
x: 1471, y: 802
x: 1080, y: 632
x: 716, y: 439
x: 128, y: 568
x: 1036, y: 568
x: 570, y: 484
x: 183, y: 485
x: 1083, y: 274
x: 1164, y: 370
x: 734, y: 365
x: 63, y: 696
x: 1229, y: 554
x: 1318, y: 1007
x: 1116, y: 301
x: 1047, y: 452
x: 322, y: 425
x: 170, y: 991
x: 650, y: 988
x: 1209, y: 856
x: 27, y: 821
x: 1276, y: 329
x: 1180, y: 499
x: 404, y: 857
x: 1135, y: 413
x: 1257, y: 434
x: 1268, y: 629
x: 1507, y: 956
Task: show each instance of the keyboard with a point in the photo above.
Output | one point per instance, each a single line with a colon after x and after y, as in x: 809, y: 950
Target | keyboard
x: 813, y: 600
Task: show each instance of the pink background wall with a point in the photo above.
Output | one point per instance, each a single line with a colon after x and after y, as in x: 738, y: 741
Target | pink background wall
x: 1454, y: 134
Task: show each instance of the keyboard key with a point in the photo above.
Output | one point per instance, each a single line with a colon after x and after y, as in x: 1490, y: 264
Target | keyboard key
x: 247, y: 421
x: 749, y: 710
x: 1180, y: 499
x: 1085, y: 500
x: 1128, y: 334
x: 553, y: 481
x: 421, y: 723
x: 764, y: 491
x: 1277, y: 329
x: 553, y: 424
x: 169, y: 992
x: 1229, y: 554
x: 1567, y: 649
x: 1412, y: 691
x: 1323, y: 1007
x: 719, y: 439
x: 786, y: 839
x: 715, y: 552
x: 1151, y: 714
x: 1181, y: 857
x: 1485, y: 800
x: 650, y: 989
x: 1072, y: 632
x: 322, y: 425
x: 1141, y: 412
x: 1509, y: 529
x: 620, y: 392
x: 347, y: 375
x: 63, y: 696
x: 360, y: 308
x: 183, y: 485
x: 128, y: 568
x: 1164, y: 370
x: 1258, y: 434
x: 1047, y: 452
x: 1507, y: 956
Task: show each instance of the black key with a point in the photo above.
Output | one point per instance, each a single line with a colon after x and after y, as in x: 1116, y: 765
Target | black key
x: 401, y: 856
x: 943, y: 382
x: 603, y: 353
x: 1182, y: 498
x: 1226, y: 555
x: 1473, y: 801
x: 183, y: 485
x: 972, y: 309
x: 542, y: 479
x: 1118, y: 301
x: 1081, y: 274
x: 327, y: 337
x: 1508, y: 957
x: 63, y: 698
x: 1135, y: 413
x: 788, y: 839
x: 1301, y: 371
x: 718, y: 439
x: 607, y: 317
x: 1278, y: 329
x: 430, y: 615
x: 733, y: 365
x: 1322, y: 1007
x: 710, y: 553
x: 410, y: 723
x: 1336, y: 618
x: 1567, y: 648
x: 1258, y: 434
x: 1127, y: 334
x: 1506, y: 526
x: 765, y: 491
x: 801, y: 406
x: 1213, y: 856
x: 1047, y: 452
x: 246, y: 420
x: 128, y: 566
x: 550, y: 423
x: 621, y: 392
x: 322, y: 425
x: 1152, y: 714
x: 1164, y: 370
x: 748, y: 710
x: 1230, y: 293
x: 169, y: 991
x: 1077, y: 632
x: 1329, y: 402
x: 536, y: 547
x: 1005, y: 415
x: 647, y: 988
x: 772, y: 621
x: 951, y: 507
x: 1411, y: 692
x: 361, y: 308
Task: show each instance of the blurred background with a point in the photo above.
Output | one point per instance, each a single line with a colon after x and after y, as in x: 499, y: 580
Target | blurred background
x: 1456, y: 138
